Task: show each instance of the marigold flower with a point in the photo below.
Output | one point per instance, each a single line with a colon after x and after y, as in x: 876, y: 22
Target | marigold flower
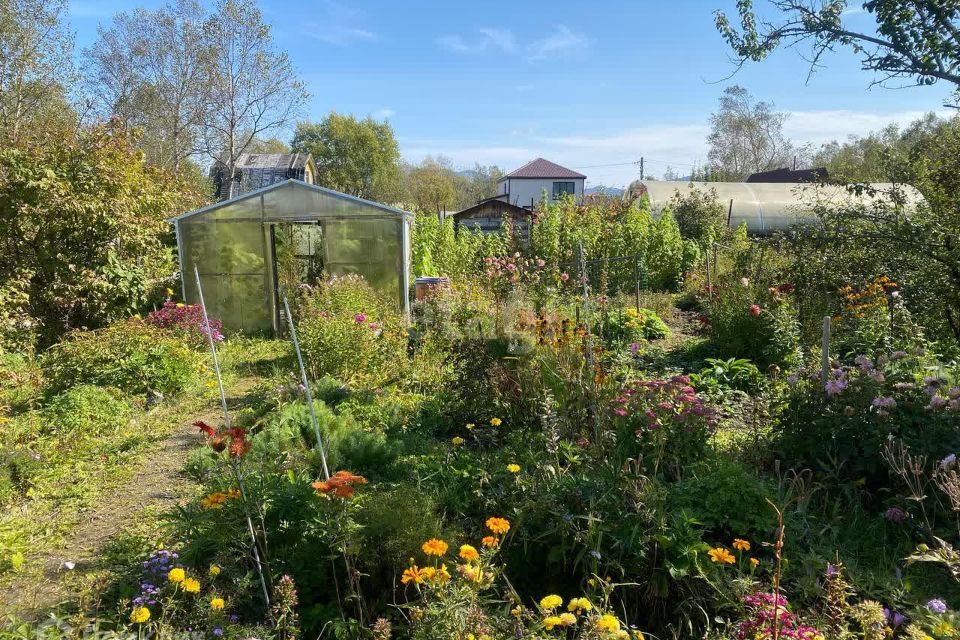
x: 608, y: 622
x: 176, y: 575
x: 471, y: 572
x: 191, y: 585
x: 741, y: 545
x: 441, y: 575
x: 490, y: 542
x: 513, y: 468
x: 413, y: 574
x: 754, y: 563
x: 468, y: 553
x: 214, y: 571
x: 567, y: 619
x: 139, y: 615
x: 721, y: 555
x: 577, y: 605
x: 495, y: 422
x: 498, y: 525
x: 457, y: 441
x: 551, y: 602
x: 435, y: 547
x: 552, y: 621
x: 217, y: 604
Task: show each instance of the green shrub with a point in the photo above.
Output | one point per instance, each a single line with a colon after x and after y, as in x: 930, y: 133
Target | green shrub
x: 85, y: 408
x: 348, y: 332
x: 733, y: 373
x: 131, y: 355
x: 726, y: 498
x: 754, y: 322
x: 630, y: 325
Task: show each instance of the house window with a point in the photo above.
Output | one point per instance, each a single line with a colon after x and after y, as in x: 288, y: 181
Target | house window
x: 563, y: 187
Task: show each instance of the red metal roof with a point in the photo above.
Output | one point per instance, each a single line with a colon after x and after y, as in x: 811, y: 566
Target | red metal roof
x: 541, y: 168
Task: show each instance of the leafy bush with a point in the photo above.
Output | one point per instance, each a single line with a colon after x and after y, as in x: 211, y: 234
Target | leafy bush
x: 131, y: 355
x: 753, y: 322
x: 348, y: 332
x: 700, y: 215
x: 630, y: 325
x: 733, y: 373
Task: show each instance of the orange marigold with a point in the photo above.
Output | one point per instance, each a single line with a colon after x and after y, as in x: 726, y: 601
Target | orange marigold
x: 490, y: 542
x: 498, y: 525
x: 435, y: 547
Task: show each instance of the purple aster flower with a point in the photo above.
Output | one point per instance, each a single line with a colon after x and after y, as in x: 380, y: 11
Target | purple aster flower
x: 898, y: 355
x: 936, y: 605
x: 895, y: 514
x: 634, y: 348
x: 835, y: 387
x: 948, y: 462
x: 936, y: 403
x: 217, y: 631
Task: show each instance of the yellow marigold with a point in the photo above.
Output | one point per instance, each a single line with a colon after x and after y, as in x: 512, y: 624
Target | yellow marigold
x: 568, y: 619
x: 457, y: 441
x: 413, y: 574
x: 516, y: 611
x: 579, y: 604
x: 741, y: 545
x: 468, y: 553
x: 435, y: 547
x: 217, y: 604
x: 552, y: 621
x: 754, y: 563
x: 608, y: 622
x: 428, y: 573
x: 214, y: 571
x: 495, y: 422
x: 513, y: 468
x: 139, y: 615
x: 471, y: 572
x: 176, y: 575
x: 551, y: 602
x: 721, y: 555
x: 191, y: 585
x: 498, y: 525
x: 470, y: 426
x: 490, y: 542
x: 442, y: 575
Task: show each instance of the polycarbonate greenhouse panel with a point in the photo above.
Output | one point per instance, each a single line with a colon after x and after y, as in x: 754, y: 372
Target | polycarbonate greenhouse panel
x: 229, y: 242
x: 767, y: 207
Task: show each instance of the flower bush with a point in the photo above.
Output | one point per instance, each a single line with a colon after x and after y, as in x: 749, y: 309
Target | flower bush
x: 186, y: 319
x: 631, y: 325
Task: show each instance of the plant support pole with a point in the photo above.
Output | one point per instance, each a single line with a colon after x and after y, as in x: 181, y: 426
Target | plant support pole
x: 306, y: 386
x: 825, y: 351
x: 226, y: 422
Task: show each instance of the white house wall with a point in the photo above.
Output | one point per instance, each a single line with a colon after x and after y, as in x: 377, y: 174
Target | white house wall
x: 523, y: 191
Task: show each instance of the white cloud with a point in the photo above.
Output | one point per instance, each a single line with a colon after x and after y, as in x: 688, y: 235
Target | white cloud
x: 818, y: 127
x: 486, y: 38
x: 339, y: 24
x: 562, y: 39
x: 383, y: 114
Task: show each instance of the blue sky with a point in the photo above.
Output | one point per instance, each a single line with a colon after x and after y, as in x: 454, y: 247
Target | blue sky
x: 586, y: 85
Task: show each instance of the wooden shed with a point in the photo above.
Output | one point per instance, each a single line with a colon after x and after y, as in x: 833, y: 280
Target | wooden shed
x: 258, y: 170
x: 488, y: 215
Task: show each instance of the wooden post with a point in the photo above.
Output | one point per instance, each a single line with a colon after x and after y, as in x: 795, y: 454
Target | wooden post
x: 636, y: 277
x: 825, y: 351
x: 730, y: 213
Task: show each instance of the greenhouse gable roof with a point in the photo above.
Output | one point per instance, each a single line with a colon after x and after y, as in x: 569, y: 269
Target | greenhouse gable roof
x: 297, y: 185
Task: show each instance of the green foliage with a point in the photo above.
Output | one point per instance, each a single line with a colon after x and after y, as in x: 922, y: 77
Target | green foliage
x: 439, y: 249
x: 83, y: 222
x: 85, y: 408
x: 629, y: 325
x: 347, y: 331
x: 129, y: 355
x: 359, y: 157
x: 700, y: 216
x: 753, y: 322
x: 733, y: 373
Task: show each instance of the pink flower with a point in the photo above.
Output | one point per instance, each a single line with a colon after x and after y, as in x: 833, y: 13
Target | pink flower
x: 564, y: 276
x: 755, y: 310
x: 620, y: 411
x: 360, y: 318
x: 541, y: 263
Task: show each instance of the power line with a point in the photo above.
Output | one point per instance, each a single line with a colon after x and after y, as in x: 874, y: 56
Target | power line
x: 615, y: 164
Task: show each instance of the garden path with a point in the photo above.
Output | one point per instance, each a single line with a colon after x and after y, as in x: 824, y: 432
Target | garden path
x: 158, y: 485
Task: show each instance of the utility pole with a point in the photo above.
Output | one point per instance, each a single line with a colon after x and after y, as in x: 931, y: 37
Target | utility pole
x: 641, y: 168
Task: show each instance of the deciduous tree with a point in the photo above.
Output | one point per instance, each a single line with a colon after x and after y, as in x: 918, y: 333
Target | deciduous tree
x: 746, y: 136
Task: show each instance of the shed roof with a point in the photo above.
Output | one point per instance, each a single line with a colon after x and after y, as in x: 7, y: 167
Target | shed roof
x: 282, y: 192
x: 272, y: 160
x: 541, y: 168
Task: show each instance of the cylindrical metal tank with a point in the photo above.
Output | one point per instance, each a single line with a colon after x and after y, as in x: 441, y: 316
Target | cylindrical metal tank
x: 768, y: 206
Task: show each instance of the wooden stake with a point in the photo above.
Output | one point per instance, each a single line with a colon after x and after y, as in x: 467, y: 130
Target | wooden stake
x: 825, y: 351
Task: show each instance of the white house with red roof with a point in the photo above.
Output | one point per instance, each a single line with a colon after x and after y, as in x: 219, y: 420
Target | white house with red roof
x: 527, y: 185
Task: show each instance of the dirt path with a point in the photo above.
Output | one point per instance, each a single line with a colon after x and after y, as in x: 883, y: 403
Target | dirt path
x: 159, y: 485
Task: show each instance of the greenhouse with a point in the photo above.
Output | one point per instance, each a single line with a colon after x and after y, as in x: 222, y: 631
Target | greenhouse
x: 252, y: 249
x: 769, y: 207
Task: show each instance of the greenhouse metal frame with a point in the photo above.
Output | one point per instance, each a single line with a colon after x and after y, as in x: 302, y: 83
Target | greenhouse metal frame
x: 234, y: 247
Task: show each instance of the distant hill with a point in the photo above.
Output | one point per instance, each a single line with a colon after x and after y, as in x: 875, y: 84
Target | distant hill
x: 608, y: 191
